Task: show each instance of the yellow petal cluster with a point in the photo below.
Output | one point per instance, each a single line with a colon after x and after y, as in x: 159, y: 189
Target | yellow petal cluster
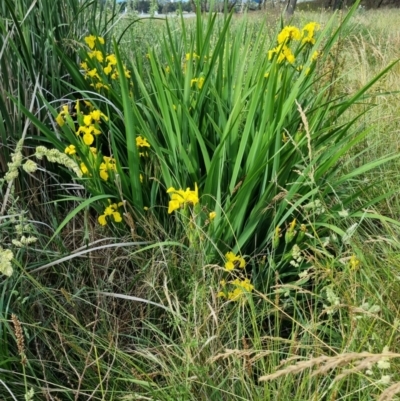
x: 112, y: 211
x: 199, y: 81
x: 70, y: 150
x: 111, y: 59
x: 93, y: 74
x: 61, y: 116
x: 106, y: 65
x: 96, y: 115
x: 315, y: 55
x: 241, y: 288
x: 90, y: 126
x: 97, y: 54
x: 108, y: 165
x: 289, y: 33
x: 142, y: 142
x: 212, y: 215
x: 283, y: 52
x: 91, y: 41
x: 308, y: 32
x: 84, y: 66
x: 191, y: 56
x: 84, y: 168
x: 233, y: 261
x: 354, y: 262
x: 180, y: 198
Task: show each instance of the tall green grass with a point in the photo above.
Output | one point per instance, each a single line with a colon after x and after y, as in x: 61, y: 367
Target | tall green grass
x: 115, y: 318
x: 30, y: 34
x: 263, y: 139
x: 82, y: 344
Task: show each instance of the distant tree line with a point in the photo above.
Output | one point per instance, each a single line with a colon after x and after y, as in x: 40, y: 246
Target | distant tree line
x: 339, y: 4
x: 167, y: 6
x: 145, y: 6
x: 380, y: 3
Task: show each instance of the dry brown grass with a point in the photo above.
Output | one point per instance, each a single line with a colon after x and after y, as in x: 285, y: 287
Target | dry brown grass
x: 324, y: 364
x: 390, y: 392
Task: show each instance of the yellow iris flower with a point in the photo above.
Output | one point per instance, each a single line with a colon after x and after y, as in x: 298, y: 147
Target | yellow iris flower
x: 70, y: 150
x: 308, y: 32
x: 198, y: 81
x: 289, y: 33
x: 90, y: 41
x: 112, y: 60
x: 142, y: 142
x: 232, y: 261
x: 107, y: 166
x: 60, y: 119
x: 179, y: 198
x: 242, y: 287
x: 112, y: 211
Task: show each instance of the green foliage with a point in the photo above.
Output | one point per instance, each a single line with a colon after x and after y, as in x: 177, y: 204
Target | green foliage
x: 201, y: 348
x: 280, y: 156
x: 261, y: 137
x: 30, y: 34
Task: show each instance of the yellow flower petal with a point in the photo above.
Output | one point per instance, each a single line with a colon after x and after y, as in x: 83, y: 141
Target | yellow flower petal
x: 84, y: 66
x: 112, y: 60
x: 88, y: 139
x: 96, y: 54
x: 60, y: 120
x: 87, y: 120
x: 93, y: 73
x: 229, y: 265
x: 70, y: 150
x: 104, y: 175
x: 200, y: 82
x: 102, y: 220
x: 84, y: 169
x: 117, y: 217
x: 90, y: 41
x: 288, y: 33
x: 108, y: 211
x: 173, y: 205
x: 142, y: 142
x: 107, y: 70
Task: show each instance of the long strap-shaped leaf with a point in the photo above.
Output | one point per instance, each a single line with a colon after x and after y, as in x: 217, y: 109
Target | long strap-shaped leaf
x: 130, y: 130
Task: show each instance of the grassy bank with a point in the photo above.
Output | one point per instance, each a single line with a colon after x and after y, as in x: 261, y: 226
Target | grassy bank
x: 275, y: 275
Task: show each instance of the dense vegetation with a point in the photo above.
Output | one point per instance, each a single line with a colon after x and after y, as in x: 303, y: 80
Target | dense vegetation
x: 198, y: 209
